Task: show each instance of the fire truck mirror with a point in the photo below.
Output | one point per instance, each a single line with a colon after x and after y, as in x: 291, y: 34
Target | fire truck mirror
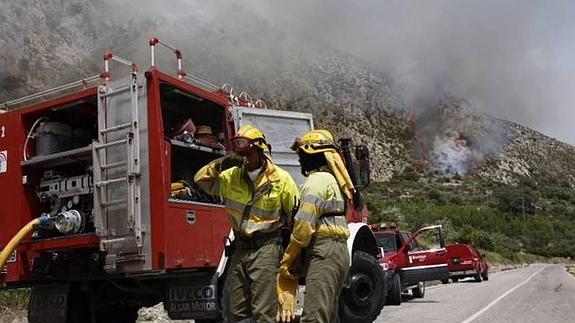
x: 191, y: 217
x: 362, y: 157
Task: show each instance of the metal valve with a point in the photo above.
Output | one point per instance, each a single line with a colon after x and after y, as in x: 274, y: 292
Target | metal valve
x: 69, y: 222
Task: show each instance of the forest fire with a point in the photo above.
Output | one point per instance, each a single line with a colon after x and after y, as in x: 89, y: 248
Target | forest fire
x: 438, y: 148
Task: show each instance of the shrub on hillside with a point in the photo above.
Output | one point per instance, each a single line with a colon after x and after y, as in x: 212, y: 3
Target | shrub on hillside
x: 435, y: 195
x: 517, y: 200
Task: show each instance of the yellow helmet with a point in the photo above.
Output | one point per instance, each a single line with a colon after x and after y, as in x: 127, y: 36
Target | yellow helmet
x: 247, y: 137
x: 316, y: 141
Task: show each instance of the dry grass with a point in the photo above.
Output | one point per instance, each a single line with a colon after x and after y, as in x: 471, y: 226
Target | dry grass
x: 13, y: 303
x: 16, y: 299
x: 10, y: 315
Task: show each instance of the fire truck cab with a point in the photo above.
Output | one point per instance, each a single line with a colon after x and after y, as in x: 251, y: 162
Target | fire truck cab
x: 107, y: 166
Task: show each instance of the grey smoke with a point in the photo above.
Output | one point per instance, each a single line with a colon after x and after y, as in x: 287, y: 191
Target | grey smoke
x: 513, y: 58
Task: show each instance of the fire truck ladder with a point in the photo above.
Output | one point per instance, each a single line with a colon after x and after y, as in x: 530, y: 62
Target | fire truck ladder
x: 106, y: 173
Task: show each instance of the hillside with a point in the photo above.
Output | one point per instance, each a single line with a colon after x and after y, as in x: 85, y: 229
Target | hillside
x: 48, y: 43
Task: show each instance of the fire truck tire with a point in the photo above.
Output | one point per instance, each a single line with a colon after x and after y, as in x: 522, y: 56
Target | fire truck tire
x: 477, y: 278
x: 419, y: 291
x: 485, y: 276
x: 394, y: 296
x: 455, y: 279
x: 445, y: 281
x: 362, y: 297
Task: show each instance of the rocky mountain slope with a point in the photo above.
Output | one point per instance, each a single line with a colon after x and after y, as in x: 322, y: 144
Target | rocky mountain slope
x: 533, y: 155
x: 47, y: 43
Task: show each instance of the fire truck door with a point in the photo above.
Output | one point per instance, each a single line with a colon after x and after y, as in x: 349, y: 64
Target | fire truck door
x: 280, y: 128
x: 426, y: 261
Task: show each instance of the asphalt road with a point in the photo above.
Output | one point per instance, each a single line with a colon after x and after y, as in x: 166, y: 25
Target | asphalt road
x: 538, y: 293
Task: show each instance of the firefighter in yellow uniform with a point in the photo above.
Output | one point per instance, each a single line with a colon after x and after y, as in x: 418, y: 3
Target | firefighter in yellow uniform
x: 319, y: 234
x: 259, y: 197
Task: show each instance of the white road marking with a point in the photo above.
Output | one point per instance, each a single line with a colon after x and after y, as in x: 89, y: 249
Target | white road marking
x: 474, y: 316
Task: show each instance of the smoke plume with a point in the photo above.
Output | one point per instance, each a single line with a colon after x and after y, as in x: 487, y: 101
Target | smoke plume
x: 512, y: 59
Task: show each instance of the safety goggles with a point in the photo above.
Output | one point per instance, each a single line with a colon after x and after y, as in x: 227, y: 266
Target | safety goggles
x: 241, y: 144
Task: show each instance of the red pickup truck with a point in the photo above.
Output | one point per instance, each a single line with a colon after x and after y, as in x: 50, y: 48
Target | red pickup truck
x: 466, y: 261
x: 408, y: 264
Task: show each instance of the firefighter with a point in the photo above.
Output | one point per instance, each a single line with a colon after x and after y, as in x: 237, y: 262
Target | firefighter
x: 319, y: 234
x: 259, y: 198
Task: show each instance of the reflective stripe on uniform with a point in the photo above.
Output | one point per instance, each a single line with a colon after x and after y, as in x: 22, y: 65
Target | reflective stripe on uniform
x: 332, y: 227
x: 234, y: 205
x: 305, y: 216
x: 333, y: 220
x: 323, y: 206
x: 250, y: 227
x: 254, y: 211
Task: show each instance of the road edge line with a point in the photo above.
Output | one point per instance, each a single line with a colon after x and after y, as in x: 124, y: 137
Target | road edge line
x: 495, y: 301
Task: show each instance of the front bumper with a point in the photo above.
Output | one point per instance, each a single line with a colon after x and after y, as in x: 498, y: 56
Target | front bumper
x: 462, y: 273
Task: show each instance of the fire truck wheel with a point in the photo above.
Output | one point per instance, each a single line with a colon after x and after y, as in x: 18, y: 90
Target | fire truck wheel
x: 394, y: 296
x: 445, y: 281
x: 485, y: 276
x: 419, y: 291
x: 362, y: 297
x: 477, y: 278
x: 455, y: 279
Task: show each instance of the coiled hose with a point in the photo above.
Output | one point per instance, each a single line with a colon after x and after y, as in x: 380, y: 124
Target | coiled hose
x: 17, y: 239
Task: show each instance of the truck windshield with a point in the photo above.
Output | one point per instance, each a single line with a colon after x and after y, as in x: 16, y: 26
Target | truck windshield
x: 387, y: 242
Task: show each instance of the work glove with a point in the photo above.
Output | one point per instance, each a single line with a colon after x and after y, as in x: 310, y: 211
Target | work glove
x: 230, y: 161
x: 286, y: 286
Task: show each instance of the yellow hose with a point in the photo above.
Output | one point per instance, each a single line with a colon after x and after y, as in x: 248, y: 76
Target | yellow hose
x: 15, y: 241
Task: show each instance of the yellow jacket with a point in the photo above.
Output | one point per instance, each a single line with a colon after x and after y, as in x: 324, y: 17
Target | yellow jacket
x: 260, y: 206
x: 321, y: 196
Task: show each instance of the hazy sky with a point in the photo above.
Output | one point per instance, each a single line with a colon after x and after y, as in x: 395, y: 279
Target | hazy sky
x: 514, y: 59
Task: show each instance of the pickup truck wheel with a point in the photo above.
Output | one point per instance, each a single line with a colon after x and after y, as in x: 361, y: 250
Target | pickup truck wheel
x: 477, y: 278
x: 485, y: 276
x: 455, y: 279
x: 363, y: 295
x: 445, y: 281
x: 394, y: 296
x: 419, y: 291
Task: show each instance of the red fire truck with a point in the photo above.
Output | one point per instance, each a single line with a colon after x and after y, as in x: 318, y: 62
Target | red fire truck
x: 99, y: 214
